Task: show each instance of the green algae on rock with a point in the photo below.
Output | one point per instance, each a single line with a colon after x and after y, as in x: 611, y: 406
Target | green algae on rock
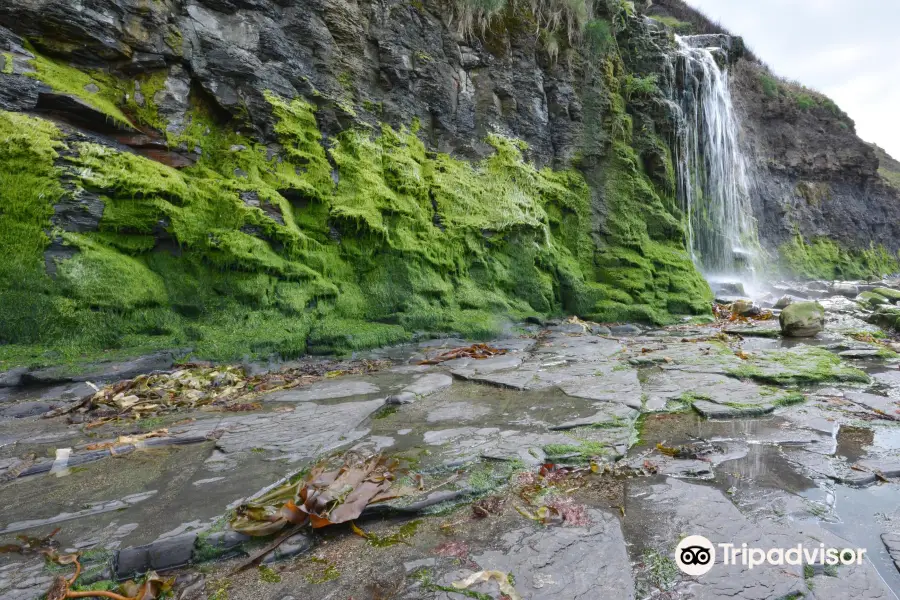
x: 802, y: 319
x: 823, y: 258
x: 802, y: 365
x: 398, y: 240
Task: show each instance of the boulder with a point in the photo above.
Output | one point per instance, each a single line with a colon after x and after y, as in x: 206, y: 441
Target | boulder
x: 802, y: 319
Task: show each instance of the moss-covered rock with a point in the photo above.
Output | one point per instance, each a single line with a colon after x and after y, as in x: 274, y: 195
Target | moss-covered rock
x: 802, y: 319
x: 308, y: 225
x: 324, y: 248
x: 892, y: 296
x: 801, y: 365
x: 872, y: 299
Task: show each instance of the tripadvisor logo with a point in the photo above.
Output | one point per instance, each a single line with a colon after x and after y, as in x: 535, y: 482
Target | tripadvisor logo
x: 695, y: 555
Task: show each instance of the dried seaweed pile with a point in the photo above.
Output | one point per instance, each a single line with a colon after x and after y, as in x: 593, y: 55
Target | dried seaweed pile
x: 199, y: 386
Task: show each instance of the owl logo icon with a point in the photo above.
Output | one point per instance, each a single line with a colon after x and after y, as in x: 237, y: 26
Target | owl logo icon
x: 695, y: 555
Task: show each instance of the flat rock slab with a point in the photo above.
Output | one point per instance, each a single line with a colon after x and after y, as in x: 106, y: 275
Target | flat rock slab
x: 563, y: 563
x: 670, y: 385
x: 307, y: 431
x: 494, y: 443
x: 662, y: 513
x: 94, y: 508
x: 102, y: 371
x: 873, y: 402
x: 470, y: 368
x: 616, y: 383
x: 712, y: 410
x: 888, y: 466
x: 421, y: 387
x: 860, y: 353
x: 583, y: 348
x: 324, y: 390
x: 457, y: 411
x: 694, y: 357
x: 762, y: 331
x: 814, y: 463
x: 609, y: 415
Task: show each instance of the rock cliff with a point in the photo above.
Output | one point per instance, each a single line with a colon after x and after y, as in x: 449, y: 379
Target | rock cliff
x: 259, y: 176
x: 249, y: 177
x: 823, y: 198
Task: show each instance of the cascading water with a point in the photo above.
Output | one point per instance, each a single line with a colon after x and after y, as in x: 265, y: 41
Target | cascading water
x: 713, y: 186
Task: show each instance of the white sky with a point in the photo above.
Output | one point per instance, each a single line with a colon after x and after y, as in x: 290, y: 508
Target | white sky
x: 848, y: 50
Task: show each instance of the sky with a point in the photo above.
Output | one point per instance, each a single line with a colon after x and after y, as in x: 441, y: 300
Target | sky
x: 847, y: 49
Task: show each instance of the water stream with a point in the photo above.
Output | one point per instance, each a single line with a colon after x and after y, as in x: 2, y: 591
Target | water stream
x: 713, y: 185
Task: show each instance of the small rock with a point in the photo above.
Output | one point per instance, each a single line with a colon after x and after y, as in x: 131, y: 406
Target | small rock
x: 712, y: 410
x: 599, y: 330
x: 92, y: 88
x: 783, y: 302
x: 400, y: 398
x: 802, y: 319
x: 27, y: 409
x: 161, y: 555
x: 294, y: 545
x: 219, y: 544
x: 745, y: 308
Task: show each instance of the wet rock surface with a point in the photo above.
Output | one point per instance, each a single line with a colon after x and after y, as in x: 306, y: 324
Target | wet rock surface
x: 691, y: 429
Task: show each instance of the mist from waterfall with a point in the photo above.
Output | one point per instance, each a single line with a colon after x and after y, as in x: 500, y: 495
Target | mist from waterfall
x: 713, y: 185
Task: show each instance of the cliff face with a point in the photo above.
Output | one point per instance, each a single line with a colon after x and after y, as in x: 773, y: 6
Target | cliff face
x: 814, y: 177
x: 282, y: 176
x: 823, y: 198
x: 256, y: 176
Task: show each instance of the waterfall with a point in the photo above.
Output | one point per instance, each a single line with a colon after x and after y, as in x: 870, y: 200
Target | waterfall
x: 713, y: 186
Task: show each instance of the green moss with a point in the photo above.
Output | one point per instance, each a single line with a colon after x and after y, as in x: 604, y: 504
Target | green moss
x: 175, y: 40
x: 872, y: 299
x: 268, y: 574
x: 584, y: 450
x: 69, y: 80
x: 406, y: 531
x: 367, y: 240
x: 674, y: 24
x: 100, y: 277
x: 891, y: 295
x: 823, y: 258
x: 790, y: 399
x: 7, y: 63
x: 328, y: 573
x: 340, y: 336
x: 802, y: 365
